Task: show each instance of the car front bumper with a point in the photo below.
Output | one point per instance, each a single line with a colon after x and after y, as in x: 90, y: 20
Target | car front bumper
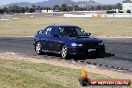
x: 86, y: 50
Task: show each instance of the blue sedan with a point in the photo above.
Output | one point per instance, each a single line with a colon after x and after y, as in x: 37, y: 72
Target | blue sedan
x: 67, y: 40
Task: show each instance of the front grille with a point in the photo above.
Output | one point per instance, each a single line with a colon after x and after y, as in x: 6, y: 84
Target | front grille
x: 90, y: 44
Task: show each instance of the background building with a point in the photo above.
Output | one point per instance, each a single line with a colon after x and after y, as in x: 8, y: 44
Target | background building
x: 127, y: 6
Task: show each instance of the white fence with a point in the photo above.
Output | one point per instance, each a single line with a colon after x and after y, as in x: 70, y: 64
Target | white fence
x: 73, y: 15
x: 119, y: 15
x: 116, y: 15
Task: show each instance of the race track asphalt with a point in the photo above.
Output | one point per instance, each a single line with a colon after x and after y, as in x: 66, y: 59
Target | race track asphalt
x: 118, y: 51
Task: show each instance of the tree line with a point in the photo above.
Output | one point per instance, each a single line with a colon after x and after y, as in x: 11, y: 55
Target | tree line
x: 18, y: 9
x: 62, y: 7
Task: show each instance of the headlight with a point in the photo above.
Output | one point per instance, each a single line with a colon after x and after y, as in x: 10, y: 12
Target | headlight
x: 101, y: 44
x: 75, y: 44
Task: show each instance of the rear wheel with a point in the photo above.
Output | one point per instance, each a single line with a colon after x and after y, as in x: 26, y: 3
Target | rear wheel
x: 38, y: 48
x: 64, y: 51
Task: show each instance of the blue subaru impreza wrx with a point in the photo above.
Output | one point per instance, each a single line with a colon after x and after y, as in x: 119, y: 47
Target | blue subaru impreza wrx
x: 67, y: 40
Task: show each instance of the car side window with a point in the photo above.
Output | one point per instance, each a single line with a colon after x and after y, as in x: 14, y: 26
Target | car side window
x: 42, y: 32
x: 46, y: 31
x: 54, y: 30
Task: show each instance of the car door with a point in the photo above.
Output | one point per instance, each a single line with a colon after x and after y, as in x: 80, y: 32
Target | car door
x: 47, y: 36
x: 55, y: 41
x: 44, y: 38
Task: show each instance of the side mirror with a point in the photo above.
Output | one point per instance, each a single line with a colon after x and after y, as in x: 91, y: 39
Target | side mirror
x: 88, y: 34
x: 55, y: 35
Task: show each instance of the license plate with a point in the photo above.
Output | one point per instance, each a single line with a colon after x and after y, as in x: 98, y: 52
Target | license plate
x: 91, y: 50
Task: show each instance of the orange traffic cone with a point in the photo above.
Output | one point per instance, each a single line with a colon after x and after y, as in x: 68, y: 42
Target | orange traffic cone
x: 84, y: 80
x: 84, y: 73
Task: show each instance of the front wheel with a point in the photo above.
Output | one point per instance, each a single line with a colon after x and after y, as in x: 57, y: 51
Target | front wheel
x: 64, y: 51
x: 101, y: 53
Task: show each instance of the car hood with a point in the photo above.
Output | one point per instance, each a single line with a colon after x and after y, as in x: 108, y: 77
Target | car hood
x: 84, y: 40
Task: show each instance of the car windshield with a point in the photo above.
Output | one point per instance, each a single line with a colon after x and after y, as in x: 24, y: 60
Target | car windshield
x: 72, y: 32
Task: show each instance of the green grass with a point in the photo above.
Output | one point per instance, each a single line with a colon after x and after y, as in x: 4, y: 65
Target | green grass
x: 16, y: 74
x: 27, y: 26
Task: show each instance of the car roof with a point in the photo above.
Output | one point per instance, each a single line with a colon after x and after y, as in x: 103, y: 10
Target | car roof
x: 63, y: 25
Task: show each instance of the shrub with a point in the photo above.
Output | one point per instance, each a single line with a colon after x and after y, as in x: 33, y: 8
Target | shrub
x: 128, y: 11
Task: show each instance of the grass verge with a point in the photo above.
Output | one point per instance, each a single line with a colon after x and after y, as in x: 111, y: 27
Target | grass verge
x: 27, y: 26
x: 25, y: 74
x: 16, y: 74
x: 18, y: 71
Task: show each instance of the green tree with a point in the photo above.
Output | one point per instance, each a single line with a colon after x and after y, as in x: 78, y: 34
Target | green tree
x: 75, y: 8
x: 128, y: 11
x: 38, y: 8
x: 56, y: 7
x: 31, y: 10
x: 70, y: 8
x: 22, y: 10
x: 5, y: 9
x: 99, y: 7
x: 33, y: 7
x: 1, y: 11
x: 15, y: 9
x: 119, y: 6
x: 64, y: 8
x: 26, y: 9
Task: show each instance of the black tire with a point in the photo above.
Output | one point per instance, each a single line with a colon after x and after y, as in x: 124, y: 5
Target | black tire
x: 64, y: 51
x: 101, y: 53
x: 38, y: 48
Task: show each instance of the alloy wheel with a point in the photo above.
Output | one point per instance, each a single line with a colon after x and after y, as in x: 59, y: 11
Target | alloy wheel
x: 64, y: 51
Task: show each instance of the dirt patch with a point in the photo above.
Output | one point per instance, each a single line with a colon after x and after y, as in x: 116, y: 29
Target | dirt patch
x: 63, y: 63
